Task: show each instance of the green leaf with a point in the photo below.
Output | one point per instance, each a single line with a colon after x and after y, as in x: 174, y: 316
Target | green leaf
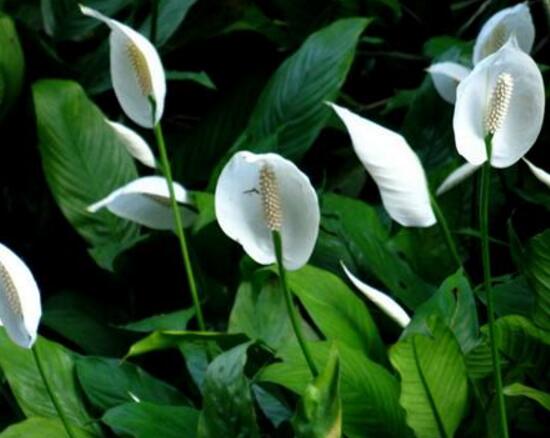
x: 536, y: 268
x: 171, y: 13
x: 147, y: 420
x: 227, y: 401
x: 272, y: 404
x: 12, y: 65
x: 171, y: 321
x: 109, y: 382
x: 26, y: 383
x: 369, y: 392
x: 514, y: 297
x: 319, y: 413
x: 434, y: 385
x: 338, y: 312
x: 37, y: 427
x: 292, y: 102
x: 518, y: 389
x: 199, y: 77
x: 84, y: 161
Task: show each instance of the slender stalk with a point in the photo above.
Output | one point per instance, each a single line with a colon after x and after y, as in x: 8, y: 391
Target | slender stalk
x: 154, y: 21
x: 53, y: 398
x: 180, y: 232
x: 277, y: 243
x: 446, y: 231
x: 486, y: 260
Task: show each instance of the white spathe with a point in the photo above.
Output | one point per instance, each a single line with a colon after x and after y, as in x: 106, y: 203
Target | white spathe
x: 456, y: 177
x: 146, y: 201
x: 240, y: 212
x: 20, y: 307
x: 522, y: 122
x: 446, y: 76
x: 394, y: 167
x: 386, y: 303
x: 136, y: 71
x: 134, y: 144
x: 513, y: 21
x: 540, y: 174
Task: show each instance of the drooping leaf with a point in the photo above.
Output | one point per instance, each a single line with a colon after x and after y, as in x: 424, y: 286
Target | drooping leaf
x: 36, y: 427
x: 147, y: 420
x: 434, y: 385
x: 12, y: 64
x: 227, y: 400
x: 177, y: 320
x: 83, y: 161
x: 520, y: 390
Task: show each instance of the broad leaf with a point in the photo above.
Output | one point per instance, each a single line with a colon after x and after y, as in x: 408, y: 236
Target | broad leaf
x: 171, y: 321
x: 170, y: 15
x: 37, y: 427
x: 520, y: 390
x: 12, y: 64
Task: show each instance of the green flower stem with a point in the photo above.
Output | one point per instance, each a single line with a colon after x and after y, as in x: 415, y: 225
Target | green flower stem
x: 484, y: 226
x: 154, y: 21
x: 446, y: 231
x: 167, y: 171
x: 277, y: 243
x: 53, y: 398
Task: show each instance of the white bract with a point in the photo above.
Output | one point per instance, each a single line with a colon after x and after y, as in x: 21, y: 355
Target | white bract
x: 456, y: 177
x: 540, y: 174
x: 20, y: 308
x: 514, y: 21
x: 446, y: 76
x: 386, y: 303
x: 134, y: 144
x: 257, y: 194
x: 394, y: 167
x: 146, y: 201
x: 136, y: 71
x: 503, y: 96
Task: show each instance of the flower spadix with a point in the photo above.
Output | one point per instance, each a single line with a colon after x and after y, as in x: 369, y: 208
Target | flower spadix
x: 502, y: 97
x: 257, y: 194
x: 446, y: 76
x: 513, y: 21
x: 394, y: 167
x: 136, y: 146
x: 136, y: 71
x: 20, y: 308
x: 384, y: 302
x: 146, y: 201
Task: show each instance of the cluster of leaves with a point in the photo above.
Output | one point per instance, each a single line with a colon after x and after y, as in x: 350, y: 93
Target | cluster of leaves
x: 254, y: 75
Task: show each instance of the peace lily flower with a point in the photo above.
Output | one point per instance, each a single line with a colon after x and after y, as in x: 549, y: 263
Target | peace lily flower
x: 540, y: 174
x: 513, y: 21
x: 446, y: 76
x: 20, y: 308
x: 146, y: 201
x: 503, y: 97
x: 257, y: 194
x: 134, y: 144
x: 136, y: 71
x: 386, y: 303
x: 394, y: 167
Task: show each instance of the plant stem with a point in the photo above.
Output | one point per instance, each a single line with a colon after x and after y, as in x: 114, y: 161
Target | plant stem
x: 277, y: 243
x: 154, y: 20
x: 167, y: 171
x: 53, y: 398
x: 446, y: 231
x: 485, y: 253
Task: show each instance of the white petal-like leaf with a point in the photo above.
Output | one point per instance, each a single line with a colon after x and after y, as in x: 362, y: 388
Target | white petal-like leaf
x: 136, y: 71
x: 394, y: 167
x: 540, y: 174
x: 522, y: 122
x: 240, y: 212
x: 456, y: 177
x: 446, y: 77
x: 20, y: 308
x: 135, y: 144
x: 146, y: 201
x: 514, y: 21
x: 386, y: 303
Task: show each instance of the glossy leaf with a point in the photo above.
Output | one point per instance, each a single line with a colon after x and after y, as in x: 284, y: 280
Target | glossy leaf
x: 177, y: 320
x: 520, y: 390
x: 36, y: 427
x: 170, y: 15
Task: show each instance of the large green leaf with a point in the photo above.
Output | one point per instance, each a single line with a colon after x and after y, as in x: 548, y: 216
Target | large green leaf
x: 84, y: 161
x: 177, y: 320
x: 520, y: 390
x: 319, y: 413
x: 147, y: 420
x: 227, y: 400
x: 109, y: 382
x: 12, y: 64
x: 369, y: 393
x: 434, y: 385
x: 26, y: 383
x: 37, y: 427
x: 170, y: 15
x: 292, y: 102
x: 338, y: 312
